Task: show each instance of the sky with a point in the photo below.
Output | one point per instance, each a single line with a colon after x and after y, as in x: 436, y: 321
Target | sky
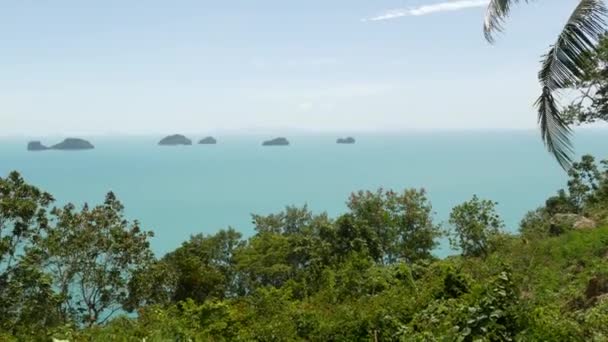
x: 190, y: 66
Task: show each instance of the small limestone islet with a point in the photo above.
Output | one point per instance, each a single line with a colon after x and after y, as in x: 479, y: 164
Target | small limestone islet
x: 175, y: 140
x: 170, y: 140
x: 347, y: 140
x: 36, y: 146
x: 69, y: 144
x: 276, y: 142
x: 208, y: 141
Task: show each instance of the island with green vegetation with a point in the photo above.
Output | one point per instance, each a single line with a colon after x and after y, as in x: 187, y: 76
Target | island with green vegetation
x: 276, y: 142
x: 208, y: 141
x: 86, y: 273
x: 175, y: 140
x: 347, y: 140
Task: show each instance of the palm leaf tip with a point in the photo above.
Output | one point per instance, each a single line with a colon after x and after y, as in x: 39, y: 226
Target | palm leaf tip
x: 496, y: 14
x: 564, y: 65
x: 554, y: 131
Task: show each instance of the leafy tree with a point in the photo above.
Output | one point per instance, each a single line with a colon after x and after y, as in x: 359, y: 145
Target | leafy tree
x: 27, y: 300
x: 561, y: 203
x: 587, y: 185
x: 202, y: 268
x: 271, y: 312
x: 586, y: 194
x: 23, y: 217
x: 349, y: 235
x: 292, y: 246
x: 92, y: 255
x: 476, y: 225
x: 290, y: 221
x: 306, y: 277
x: 264, y: 262
x: 562, y: 66
x: 215, y: 254
x: 535, y: 223
x: 591, y: 103
x: 399, y: 226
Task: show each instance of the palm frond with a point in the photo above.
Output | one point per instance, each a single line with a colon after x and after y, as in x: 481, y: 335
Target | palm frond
x: 554, y: 130
x: 497, y: 12
x: 563, y: 65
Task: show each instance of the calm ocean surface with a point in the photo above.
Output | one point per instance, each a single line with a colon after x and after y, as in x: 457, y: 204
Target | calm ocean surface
x: 179, y: 191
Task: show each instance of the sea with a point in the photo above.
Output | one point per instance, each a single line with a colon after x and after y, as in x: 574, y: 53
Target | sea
x: 178, y: 191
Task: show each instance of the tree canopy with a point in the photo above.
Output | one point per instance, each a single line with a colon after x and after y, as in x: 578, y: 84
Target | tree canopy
x: 87, y: 273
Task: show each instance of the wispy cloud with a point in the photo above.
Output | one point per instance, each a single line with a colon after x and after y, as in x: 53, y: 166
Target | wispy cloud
x: 429, y: 9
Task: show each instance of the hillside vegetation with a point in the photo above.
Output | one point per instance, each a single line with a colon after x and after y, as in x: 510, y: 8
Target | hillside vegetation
x: 87, y: 274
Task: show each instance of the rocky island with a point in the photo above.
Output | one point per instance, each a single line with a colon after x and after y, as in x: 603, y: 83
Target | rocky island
x: 175, y: 139
x: 69, y: 144
x: 276, y: 142
x: 348, y: 140
x: 208, y: 141
x: 73, y: 144
x: 36, y: 146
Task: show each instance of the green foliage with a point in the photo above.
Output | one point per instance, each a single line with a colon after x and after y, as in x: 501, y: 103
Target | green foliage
x: 476, y: 227
x: 396, y: 226
x: 459, y: 299
x: 586, y: 195
x: 22, y: 217
x: 455, y: 284
x: 591, y: 104
x: 27, y: 300
x: 535, y: 224
x: 202, y: 268
x: 493, y: 316
x: 366, y: 275
x: 92, y: 255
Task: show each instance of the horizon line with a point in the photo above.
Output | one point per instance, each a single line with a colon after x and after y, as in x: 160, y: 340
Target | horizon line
x: 291, y: 132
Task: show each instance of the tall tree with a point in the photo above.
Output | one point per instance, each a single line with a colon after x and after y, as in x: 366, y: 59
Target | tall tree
x: 205, y: 267
x: 475, y: 227
x: 394, y: 226
x: 93, y: 254
x: 562, y: 66
x: 27, y: 299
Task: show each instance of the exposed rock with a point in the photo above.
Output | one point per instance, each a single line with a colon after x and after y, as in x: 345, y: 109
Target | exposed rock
x: 276, y: 142
x: 36, y: 146
x: 584, y: 223
x: 175, y: 139
x: 73, y: 144
x: 208, y: 141
x: 347, y: 140
x: 562, y: 222
x: 567, y: 220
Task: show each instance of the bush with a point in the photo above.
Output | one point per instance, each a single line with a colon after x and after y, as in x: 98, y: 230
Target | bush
x: 476, y: 227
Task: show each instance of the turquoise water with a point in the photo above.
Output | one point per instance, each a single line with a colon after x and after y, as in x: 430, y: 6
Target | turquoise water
x: 179, y: 191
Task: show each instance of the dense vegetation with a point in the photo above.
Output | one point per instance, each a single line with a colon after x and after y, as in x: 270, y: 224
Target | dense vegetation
x: 369, y: 274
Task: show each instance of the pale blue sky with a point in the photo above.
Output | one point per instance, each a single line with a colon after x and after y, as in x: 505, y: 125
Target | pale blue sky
x: 154, y: 67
